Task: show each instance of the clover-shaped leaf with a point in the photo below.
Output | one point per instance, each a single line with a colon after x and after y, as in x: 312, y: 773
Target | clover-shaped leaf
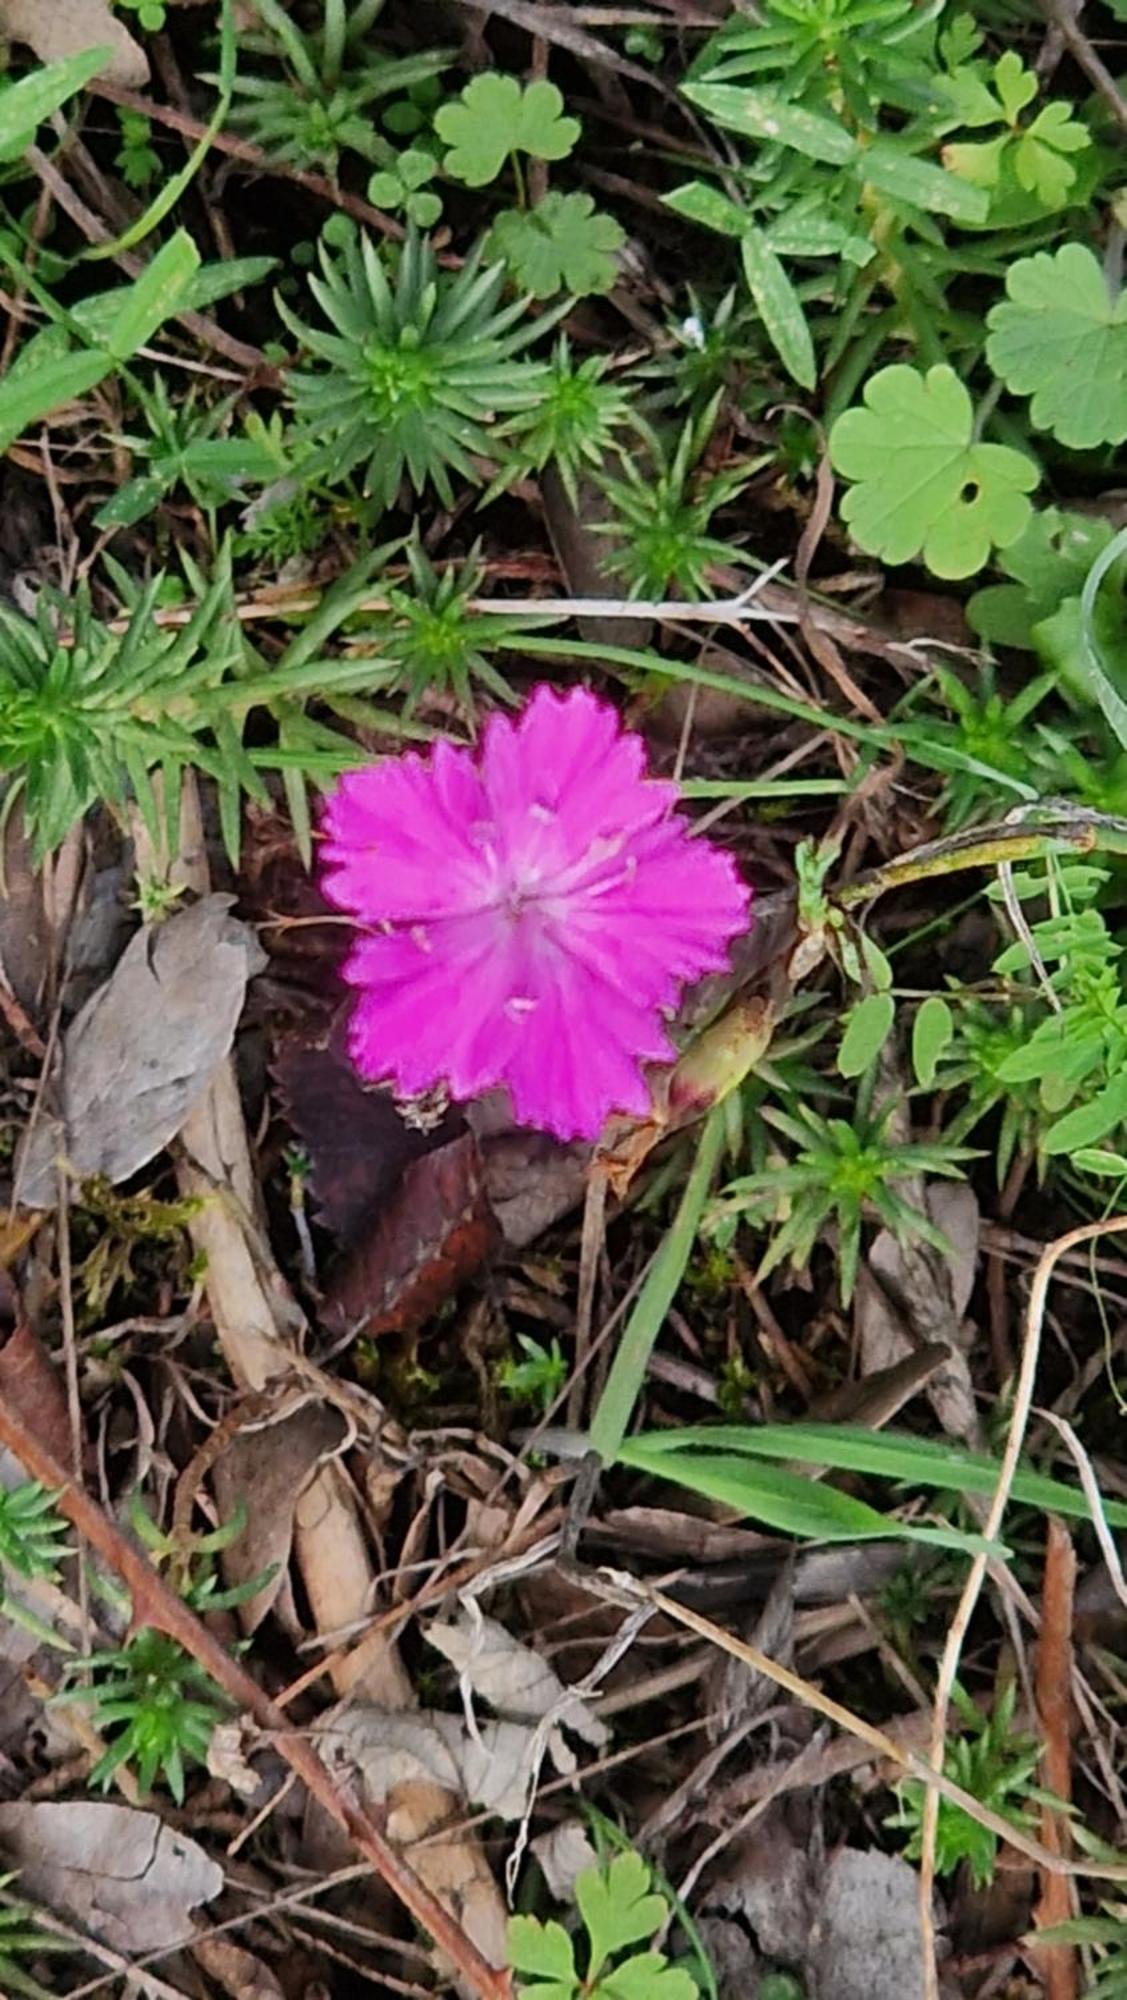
x: 560, y: 245
x: 617, y: 1906
x: 1026, y: 166
x: 404, y: 185
x: 1038, y: 154
x: 647, y: 1977
x: 1060, y: 337
x: 496, y: 116
x: 543, y: 1953
x: 923, y: 486
x: 1016, y: 86
x: 1049, y: 565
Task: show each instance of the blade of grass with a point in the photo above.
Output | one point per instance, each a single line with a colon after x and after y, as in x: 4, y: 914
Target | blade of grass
x: 620, y: 1392
x: 786, y: 1501
x: 766, y: 788
x: 756, y: 693
x: 916, y: 1461
x: 172, y: 190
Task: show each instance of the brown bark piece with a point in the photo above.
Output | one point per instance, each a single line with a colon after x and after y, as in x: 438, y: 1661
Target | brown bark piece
x: 1057, y: 1962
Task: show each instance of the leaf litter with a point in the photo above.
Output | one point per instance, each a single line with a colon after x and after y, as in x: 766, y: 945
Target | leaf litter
x: 345, y: 1467
x: 126, y: 1875
x: 144, y: 1049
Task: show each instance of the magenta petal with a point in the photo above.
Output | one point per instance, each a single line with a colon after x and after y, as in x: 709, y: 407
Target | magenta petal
x: 533, y: 917
x: 433, y: 1008
x: 403, y: 838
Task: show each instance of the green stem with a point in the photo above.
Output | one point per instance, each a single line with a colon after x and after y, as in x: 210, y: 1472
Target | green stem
x: 1040, y: 832
x: 624, y: 1383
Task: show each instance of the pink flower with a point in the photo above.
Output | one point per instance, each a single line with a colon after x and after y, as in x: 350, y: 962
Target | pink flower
x: 534, y: 914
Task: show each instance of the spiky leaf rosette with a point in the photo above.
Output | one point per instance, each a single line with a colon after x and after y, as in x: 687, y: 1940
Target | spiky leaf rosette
x: 419, y: 367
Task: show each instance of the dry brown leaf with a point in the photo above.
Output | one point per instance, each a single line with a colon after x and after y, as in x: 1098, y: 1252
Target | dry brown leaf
x: 336, y: 1568
x: 532, y: 1181
x: 31, y: 1384
x: 563, y: 1853
x: 910, y: 1295
x: 144, y: 1049
x: 417, y: 1772
x: 455, y: 1870
x: 265, y: 1470
x: 491, y: 1770
x: 511, y: 1677
x: 766, y: 1880
x: 58, y: 28
x: 227, y: 1750
x: 118, y: 1872
x: 849, y: 1926
x: 238, y: 1972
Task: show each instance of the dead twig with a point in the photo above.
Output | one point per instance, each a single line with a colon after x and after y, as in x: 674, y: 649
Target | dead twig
x: 156, y: 1606
x: 625, y: 1590
x: 1063, y: 19
x: 1057, y: 1962
x: 253, y: 158
x: 949, y: 1666
x: 95, y: 231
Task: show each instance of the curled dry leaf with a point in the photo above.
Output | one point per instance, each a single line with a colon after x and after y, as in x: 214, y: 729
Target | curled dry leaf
x: 143, y: 1051
x: 491, y: 1770
x: 417, y: 1772
x: 564, y: 1852
x: 510, y: 1676
x: 58, y: 28
x: 118, y: 1872
x: 227, y: 1758
x: 240, y: 1973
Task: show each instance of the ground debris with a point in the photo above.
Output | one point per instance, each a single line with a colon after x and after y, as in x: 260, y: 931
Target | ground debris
x: 142, y: 1052
x: 69, y: 27
x: 130, y: 1880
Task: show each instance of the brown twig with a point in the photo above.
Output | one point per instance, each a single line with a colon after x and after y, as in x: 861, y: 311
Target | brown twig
x: 96, y: 231
x: 1057, y: 1962
x: 964, y: 1612
x: 156, y: 1606
x: 251, y: 156
x: 1063, y: 17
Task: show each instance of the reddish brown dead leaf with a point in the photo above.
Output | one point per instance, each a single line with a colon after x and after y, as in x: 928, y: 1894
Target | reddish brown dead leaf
x: 356, y: 1139
x: 31, y: 1388
x: 431, y: 1236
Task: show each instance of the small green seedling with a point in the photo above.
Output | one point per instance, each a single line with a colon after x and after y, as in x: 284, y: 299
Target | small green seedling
x: 995, y: 1764
x: 538, y: 1378
x: 619, y: 1909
